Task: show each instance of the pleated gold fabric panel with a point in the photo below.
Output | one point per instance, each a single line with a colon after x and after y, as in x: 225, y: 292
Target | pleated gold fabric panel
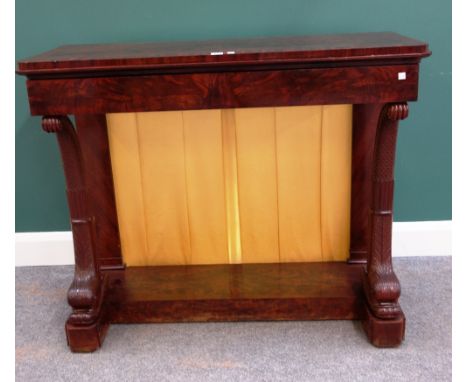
x: 233, y: 185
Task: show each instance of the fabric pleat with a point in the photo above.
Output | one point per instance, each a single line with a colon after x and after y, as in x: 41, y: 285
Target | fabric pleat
x: 249, y: 185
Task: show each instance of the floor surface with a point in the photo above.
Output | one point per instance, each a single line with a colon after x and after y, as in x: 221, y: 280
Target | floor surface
x: 246, y: 351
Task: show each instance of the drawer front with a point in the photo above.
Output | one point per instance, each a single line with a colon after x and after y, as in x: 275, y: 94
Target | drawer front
x: 295, y: 87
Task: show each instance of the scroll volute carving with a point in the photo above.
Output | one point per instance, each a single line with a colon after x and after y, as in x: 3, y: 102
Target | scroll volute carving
x: 84, y: 294
x: 381, y: 284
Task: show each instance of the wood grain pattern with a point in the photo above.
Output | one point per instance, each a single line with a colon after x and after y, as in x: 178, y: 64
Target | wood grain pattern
x: 381, y: 284
x: 359, y: 69
x: 92, y: 133
x: 365, y: 121
x: 86, y: 291
x: 287, y: 291
x: 253, y: 52
x: 354, y: 85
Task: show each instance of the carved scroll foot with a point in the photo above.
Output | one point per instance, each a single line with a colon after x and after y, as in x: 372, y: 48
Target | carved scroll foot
x: 84, y: 334
x: 385, y: 321
x: 85, y: 327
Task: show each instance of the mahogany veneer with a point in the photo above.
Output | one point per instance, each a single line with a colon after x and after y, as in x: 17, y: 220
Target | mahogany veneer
x: 377, y: 72
x: 287, y: 291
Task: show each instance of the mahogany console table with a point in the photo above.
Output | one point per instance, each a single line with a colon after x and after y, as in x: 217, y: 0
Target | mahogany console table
x: 375, y: 72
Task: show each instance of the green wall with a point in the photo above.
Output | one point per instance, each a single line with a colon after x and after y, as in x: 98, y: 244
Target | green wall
x: 423, y: 171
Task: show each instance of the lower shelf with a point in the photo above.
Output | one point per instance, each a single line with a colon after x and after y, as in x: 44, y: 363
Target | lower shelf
x: 286, y: 291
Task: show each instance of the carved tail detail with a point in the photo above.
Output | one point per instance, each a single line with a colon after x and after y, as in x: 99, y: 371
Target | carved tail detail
x: 381, y: 285
x: 85, y: 292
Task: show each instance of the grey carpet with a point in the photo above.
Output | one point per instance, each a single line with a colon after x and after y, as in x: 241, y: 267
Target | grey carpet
x: 262, y: 351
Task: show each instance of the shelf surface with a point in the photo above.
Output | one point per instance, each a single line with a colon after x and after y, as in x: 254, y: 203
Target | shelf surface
x: 286, y: 291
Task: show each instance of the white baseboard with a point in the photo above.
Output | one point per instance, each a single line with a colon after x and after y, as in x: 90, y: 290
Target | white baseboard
x: 44, y: 248
x: 430, y: 238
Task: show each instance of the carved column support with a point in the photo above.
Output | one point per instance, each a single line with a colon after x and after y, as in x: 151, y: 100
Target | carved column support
x: 381, y: 285
x: 85, y: 292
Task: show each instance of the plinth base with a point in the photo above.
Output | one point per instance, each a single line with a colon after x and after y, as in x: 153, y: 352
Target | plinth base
x: 85, y: 339
x: 241, y: 292
x: 383, y: 333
